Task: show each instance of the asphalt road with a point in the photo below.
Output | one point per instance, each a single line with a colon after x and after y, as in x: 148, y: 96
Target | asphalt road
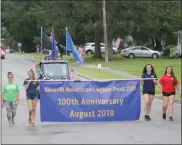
x: 157, y: 131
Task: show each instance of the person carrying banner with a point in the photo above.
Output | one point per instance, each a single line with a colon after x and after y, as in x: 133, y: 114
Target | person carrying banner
x: 31, y: 88
x: 169, y: 85
x: 148, y: 88
x: 10, y: 96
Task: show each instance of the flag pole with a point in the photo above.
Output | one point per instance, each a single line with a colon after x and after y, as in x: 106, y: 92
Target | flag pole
x: 41, y: 44
x: 66, y: 32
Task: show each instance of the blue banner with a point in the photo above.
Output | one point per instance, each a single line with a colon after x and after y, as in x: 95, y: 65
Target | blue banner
x: 90, y: 101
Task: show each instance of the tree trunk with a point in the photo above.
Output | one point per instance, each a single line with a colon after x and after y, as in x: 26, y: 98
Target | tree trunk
x: 110, y: 51
x: 158, y: 45
x: 97, y: 44
x: 153, y: 43
x: 105, y: 32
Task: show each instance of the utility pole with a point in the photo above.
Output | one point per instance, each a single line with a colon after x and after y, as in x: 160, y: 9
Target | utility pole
x: 105, y: 31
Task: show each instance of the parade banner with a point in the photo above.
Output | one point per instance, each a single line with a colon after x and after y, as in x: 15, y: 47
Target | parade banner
x: 90, y: 101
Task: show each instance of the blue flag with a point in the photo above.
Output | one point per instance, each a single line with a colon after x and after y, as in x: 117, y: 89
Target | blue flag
x: 70, y: 46
x: 54, y: 49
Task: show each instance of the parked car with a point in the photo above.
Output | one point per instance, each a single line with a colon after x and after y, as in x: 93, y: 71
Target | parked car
x: 90, y: 48
x: 140, y: 51
x: 11, y: 51
x: 2, y: 54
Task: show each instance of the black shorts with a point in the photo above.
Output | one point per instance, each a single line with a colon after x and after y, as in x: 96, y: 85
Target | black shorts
x: 150, y: 93
x: 168, y: 94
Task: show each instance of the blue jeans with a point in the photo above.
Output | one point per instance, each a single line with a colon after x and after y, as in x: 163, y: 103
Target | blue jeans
x: 11, y: 111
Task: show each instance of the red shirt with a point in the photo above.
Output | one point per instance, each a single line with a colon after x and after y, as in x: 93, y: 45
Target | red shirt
x: 167, y: 83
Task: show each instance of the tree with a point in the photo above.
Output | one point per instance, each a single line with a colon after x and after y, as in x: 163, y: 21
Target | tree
x: 142, y: 20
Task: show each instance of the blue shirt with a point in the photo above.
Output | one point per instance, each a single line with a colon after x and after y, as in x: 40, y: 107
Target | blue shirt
x: 148, y: 85
x: 32, y: 89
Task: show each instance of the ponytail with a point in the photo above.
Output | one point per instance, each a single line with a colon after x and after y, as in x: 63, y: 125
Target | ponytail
x: 31, y: 70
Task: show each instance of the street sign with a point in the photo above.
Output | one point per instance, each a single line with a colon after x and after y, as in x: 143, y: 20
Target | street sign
x: 99, y: 66
x: 19, y: 44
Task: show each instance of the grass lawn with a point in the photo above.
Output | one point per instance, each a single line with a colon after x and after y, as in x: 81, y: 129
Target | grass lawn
x: 135, y: 66
x: 94, y: 73
x: 132, y: 66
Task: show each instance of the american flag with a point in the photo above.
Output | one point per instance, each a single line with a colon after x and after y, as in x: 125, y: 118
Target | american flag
x: 73, y: 73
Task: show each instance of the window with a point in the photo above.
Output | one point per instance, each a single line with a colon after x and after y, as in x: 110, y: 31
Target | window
x: 136, y: 48
x: 143, y: 48
x: 87, y: 44
x: 93, y: 45
x: 55, y: 70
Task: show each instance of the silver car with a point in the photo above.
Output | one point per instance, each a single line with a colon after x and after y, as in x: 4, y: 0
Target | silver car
x: 140, y: 51
x: 90, y: 48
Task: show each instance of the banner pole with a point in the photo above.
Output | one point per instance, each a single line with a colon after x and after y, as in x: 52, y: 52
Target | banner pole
x: 41, y: 44
x: 66, y: 33
x: 134, y: 79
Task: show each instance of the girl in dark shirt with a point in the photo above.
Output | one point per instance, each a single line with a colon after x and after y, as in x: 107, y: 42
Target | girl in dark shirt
x: 31, y: 95
x: 148, y: 88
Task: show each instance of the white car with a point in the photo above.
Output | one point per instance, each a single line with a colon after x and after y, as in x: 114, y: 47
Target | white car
x: 140, y: 51
x: 90, y: 48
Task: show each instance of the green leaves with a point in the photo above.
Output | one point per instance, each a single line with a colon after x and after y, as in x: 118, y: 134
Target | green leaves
x: 23, y: 19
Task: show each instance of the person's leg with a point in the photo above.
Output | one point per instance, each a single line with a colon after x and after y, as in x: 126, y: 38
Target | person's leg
x: 30, y: 108
x: 146, y: 104
x: 61, y: 56
x: 171, y: 106
x: 164, y: 106
x: 84, y: 58
x: 151, y: 98
x: 34, y: 102
x: 14, y: 107
x: 9, y: 112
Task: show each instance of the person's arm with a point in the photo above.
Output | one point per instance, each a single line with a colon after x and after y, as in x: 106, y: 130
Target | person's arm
x: 18, y: 94
x: 155, y: 80
x: 26, y: 84
x: 3, y: 94
x: 177, y: 86
x: 142, y: 77
x: 38, y: 88
x: 161, y: 82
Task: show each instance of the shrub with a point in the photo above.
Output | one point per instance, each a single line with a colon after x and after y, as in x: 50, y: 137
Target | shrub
x: 166, y: 51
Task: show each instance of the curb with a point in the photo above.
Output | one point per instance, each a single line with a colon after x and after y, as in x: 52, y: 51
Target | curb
x: 177, y: 101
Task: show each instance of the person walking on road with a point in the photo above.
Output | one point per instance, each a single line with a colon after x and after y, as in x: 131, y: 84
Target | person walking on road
x: 10, y: 96
x: 31, y: 88
x: 81, y: 51
x: 169, y: 85
x: 149, y: 80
